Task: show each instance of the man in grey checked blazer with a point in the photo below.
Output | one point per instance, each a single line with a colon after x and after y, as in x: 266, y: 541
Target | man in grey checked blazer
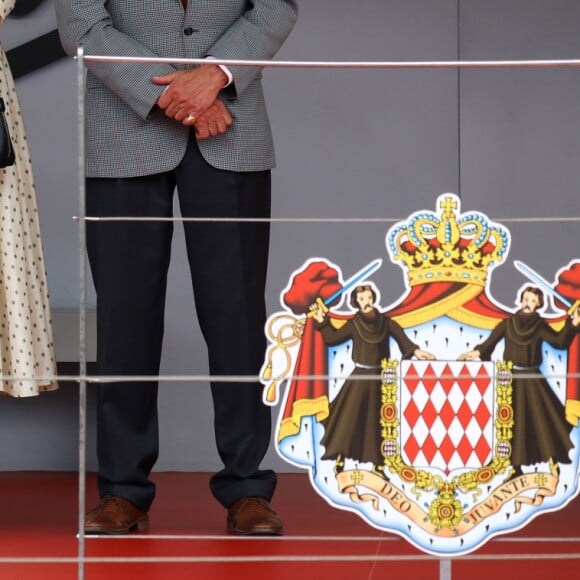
x: 152, y: 128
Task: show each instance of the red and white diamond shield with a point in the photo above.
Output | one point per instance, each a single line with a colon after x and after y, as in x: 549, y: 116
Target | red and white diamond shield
x: 447, y: 414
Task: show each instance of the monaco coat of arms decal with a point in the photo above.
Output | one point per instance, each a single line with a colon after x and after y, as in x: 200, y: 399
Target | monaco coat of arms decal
x: 445, y: 417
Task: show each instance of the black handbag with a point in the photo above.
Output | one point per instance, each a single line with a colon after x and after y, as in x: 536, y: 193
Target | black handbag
x: 7, y: 156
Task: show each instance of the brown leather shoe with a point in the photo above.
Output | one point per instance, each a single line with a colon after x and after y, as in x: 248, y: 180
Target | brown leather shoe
x: 253, y: 516
x: 116, y: 515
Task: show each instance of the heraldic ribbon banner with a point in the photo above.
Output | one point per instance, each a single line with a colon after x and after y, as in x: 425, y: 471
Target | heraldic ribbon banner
x: 446, y: 418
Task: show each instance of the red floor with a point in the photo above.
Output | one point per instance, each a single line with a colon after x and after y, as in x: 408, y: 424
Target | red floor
x: 38, y: 527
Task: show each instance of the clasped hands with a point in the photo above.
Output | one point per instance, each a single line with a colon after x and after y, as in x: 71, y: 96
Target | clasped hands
x: 191, y: 98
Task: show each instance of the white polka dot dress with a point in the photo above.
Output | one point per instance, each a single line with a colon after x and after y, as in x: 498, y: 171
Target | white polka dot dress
x: 26, y: 341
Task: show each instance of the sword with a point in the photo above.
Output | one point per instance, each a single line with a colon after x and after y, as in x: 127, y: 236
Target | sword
x: 541, y: 282
x: 360, y: 275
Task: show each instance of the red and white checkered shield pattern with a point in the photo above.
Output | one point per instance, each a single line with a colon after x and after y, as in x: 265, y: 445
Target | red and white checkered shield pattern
x: 447, y: 414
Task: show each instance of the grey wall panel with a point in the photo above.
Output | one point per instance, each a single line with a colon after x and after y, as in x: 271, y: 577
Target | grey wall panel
x: 365, y: 143
x: 520, y: 129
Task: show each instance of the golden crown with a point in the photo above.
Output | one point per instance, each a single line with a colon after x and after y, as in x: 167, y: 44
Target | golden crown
x: 448, y: 247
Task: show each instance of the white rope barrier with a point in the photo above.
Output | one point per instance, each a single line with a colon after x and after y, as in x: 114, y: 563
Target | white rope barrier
x: 294, y: 558
x: 314, y: 220
x: 388, y: 539
x: 198, y: 378
x: 425, y: 64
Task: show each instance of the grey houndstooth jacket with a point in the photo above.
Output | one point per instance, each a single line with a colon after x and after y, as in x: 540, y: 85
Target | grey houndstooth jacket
x: 126, y: 135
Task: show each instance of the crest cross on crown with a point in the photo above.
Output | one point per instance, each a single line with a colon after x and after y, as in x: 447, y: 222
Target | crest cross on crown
x: 448, y: 247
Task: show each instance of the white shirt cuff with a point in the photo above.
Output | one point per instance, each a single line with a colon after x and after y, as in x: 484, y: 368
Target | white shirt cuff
x: 226, y: 70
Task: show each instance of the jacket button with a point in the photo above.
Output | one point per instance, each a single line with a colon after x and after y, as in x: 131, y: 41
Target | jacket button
x: 188, y: 31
